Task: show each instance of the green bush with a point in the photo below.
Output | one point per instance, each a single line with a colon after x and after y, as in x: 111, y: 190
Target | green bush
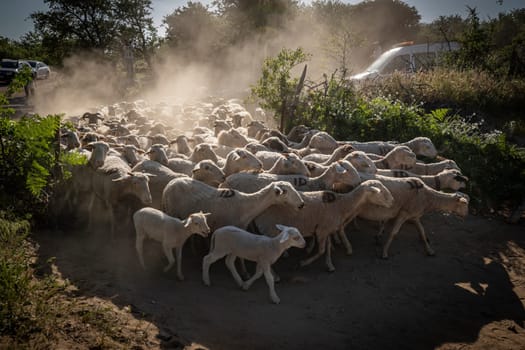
x: 467, y: 92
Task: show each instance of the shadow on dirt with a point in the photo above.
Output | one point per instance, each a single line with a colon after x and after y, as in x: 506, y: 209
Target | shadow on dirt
x: 408, y: 302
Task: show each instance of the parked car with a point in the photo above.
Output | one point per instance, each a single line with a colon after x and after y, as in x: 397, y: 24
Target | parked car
x: 406, y: 58
x: 41, y: 69
x: 9, y: 68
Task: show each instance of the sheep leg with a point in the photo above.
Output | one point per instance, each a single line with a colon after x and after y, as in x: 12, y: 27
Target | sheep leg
x: 271, y: 285
x: 244, y: 270
x: 230, y: 263
x: 379, y: 235
x: 178, y: 252
x: 344, y: 239
x: 168, y: 251
x: 321, y: 246
x: 258, y: 273
x: 310, y: 247
x: 337, y: 239
x: 423, y: 236
x: 139, y: 245
x: 276, y: 276
x: 395, y: 229
x: 328, y: 256
x: 206, y: 262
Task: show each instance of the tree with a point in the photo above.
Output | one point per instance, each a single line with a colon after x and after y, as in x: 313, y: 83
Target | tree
x: 101, y: 25
x: 195, y: 32
x: 385, y: 21
x: 444, y: 28
x: 248, y: 17
x: 276, y: 89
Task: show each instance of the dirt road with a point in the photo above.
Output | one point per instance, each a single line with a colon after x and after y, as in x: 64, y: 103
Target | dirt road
x: 470, y: 295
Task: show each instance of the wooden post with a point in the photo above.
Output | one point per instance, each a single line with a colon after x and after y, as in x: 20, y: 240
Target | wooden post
x: 287, y: 112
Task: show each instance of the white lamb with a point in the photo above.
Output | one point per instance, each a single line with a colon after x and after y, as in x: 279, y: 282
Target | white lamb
x: 171, y: 232
x: 233, y: 242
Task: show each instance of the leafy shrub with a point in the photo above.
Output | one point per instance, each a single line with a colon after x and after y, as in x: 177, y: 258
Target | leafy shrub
x: 466, y: 92
x: 23, y: 299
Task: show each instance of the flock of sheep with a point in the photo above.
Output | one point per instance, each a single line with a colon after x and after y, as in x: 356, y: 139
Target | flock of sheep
x: 213, y: 168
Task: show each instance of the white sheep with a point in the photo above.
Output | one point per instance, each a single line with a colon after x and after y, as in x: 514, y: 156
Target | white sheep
x: 324, y: 142
x: 339, y: 175
x: 254, y: 127
x: 327, y: 159
x: 233, y: 242
x: 71, y: 139
x: 412, y: 199
x: 81, y: 175
x: 433, y: 168
x: 113, y: 181
x: 208, y: 172
x: 448, y: 179
x: 400, y: 157
x: 288, y: 164
x: 361, y: 162
x: 421, y: 146
x: 232, y: 138
x: 184, y: 196
x: 323, y: 214
x: 157, y: 152
x: 169, y: 231
x: 162, y: 176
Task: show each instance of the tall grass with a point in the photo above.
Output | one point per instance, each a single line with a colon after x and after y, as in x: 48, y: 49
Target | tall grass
x: 465, y: 92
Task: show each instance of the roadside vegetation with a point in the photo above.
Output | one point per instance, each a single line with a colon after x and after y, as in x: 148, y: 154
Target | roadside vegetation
x: 471, y: 108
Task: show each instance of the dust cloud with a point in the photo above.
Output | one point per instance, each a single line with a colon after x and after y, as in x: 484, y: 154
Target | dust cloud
x: 87, y: 82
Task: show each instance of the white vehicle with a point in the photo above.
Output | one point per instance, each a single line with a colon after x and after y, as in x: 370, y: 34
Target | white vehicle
x: 41, y: 69
x: 406, y: 58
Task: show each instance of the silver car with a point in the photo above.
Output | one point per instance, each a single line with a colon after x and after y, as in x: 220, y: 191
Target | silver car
x: 40, y: 69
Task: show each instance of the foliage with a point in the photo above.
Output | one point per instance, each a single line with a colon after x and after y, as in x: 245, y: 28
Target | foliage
x: 195, y: 32
x: 106, y: 26
x: 250, y: 17
x: 275, y: 89
x: 465, y: 92
x: 27, y: 152
x: 29, y: 155
x: 25, y: 306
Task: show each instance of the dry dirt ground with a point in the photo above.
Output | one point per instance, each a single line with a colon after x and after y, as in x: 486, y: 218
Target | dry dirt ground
x: 471, y: 295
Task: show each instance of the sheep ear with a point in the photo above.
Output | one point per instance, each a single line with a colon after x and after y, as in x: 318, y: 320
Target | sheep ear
x: 339, y: 169
x: 278, y: 190
x: 463, y: 200
x: 285, y: 237
x: 188, y: 223
x: 280, y: 227
x: 374, y: 189
x: 197, y: 167
x: 206, y: 214
x: 121, y: 178
x: 149, y: 174
x: 235, y: 156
